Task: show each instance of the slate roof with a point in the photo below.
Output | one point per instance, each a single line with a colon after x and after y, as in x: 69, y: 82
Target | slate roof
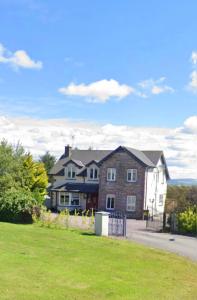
x: 84, y: 157
x: 77, y: 187
x: 154, y: 156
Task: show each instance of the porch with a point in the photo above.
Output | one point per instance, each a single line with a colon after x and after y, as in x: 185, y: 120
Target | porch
x: 74, y: 196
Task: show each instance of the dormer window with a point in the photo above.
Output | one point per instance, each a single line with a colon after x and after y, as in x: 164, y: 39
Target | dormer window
x: 71, y: 172
x: 93, y: 173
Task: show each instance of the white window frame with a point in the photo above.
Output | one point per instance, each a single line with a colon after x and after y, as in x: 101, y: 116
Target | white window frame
x: 162, y: 176
x: 70, y: 169
x: 95, y: 171
x: 71, y: 196
x: 161, y: 200
x: 110, y: 196
x: 132, y: 172
x: 111, y: 174
x: 132, y: 205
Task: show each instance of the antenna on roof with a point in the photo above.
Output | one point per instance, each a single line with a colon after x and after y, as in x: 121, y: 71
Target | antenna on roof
x: 73, y: 140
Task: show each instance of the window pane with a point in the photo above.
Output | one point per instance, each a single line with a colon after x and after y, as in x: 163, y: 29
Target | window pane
x: 129, y: 175
x: 91, y: 173
x: 134, y: 175
x: 108, y: 202
x: 69, y: 173
x: 131, y: 203
x: 62, y: 199
x: 112, y: 202
x: 74, y: 199
x: 95, y: 173
x: 108, y: 174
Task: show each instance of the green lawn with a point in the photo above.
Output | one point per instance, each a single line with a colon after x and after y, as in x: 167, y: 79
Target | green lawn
x: 40, y: 263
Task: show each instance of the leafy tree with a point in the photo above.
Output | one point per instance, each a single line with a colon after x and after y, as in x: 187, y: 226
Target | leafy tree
x: 23, y: 182
x: 48, y: 160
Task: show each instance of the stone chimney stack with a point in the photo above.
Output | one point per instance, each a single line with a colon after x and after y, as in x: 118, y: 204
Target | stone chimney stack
x: 68, y: 150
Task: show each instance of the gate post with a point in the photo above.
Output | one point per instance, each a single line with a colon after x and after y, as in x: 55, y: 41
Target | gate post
x: 102, y: 223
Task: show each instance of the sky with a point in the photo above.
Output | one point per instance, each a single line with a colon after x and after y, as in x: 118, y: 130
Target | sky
x: 101, y: 74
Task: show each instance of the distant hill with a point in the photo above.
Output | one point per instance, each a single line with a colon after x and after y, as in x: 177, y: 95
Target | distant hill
x: 183, y: 181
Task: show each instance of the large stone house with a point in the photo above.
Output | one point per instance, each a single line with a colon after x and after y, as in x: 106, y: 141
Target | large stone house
x: 124, y: 179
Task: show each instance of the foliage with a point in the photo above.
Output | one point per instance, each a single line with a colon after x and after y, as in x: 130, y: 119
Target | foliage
x: 37, y: 263
x: 64, y: 219
x: 16, y: 205
x: 48, y: 160
x: 23, y: 182
x: 179, y: 198
x: 187, y: 220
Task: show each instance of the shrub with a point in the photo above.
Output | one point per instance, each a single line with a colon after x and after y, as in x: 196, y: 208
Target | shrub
x: 16, y: 206
x: 187, y: 220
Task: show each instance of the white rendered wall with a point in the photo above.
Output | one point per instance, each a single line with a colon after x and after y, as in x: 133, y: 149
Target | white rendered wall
x: 156, y: 185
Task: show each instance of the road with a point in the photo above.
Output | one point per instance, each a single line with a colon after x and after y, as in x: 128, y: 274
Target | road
x: 182, y: 245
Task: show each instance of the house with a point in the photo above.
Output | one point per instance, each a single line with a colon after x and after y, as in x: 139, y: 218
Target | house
x: 124, y: 179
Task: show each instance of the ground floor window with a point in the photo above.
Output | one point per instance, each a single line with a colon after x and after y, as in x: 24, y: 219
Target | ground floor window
x: 69, y: 199
x: 110, y: 202
x: 131, y: 203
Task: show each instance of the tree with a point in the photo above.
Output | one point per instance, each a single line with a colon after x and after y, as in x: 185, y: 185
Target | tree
x: 48, y: 160
x: 23, y: 182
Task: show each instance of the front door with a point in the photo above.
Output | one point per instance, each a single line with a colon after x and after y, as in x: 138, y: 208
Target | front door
x: 92, y: 201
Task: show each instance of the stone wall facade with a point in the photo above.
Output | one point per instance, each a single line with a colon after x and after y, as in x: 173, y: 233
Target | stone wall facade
x: 122, y: 161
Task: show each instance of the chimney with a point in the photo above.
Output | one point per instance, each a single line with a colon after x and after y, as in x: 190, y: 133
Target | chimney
x: 68, y: 150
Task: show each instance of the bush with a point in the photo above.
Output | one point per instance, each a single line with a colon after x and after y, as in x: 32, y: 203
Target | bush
x: 187, y: 221
x: 17, y: 206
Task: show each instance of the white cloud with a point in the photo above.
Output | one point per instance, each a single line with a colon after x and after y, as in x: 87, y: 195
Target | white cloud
x: 37, y: 136
x: 18, y: 59
x: 98, y: 91
x: 190, y: 125
x: 194, y: 57
x: 193, y: 83
x: 154, y: 87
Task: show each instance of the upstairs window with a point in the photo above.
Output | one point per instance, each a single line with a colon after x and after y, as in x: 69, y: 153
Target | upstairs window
x: 160, y: 200
x: 162, y: 176
x: 132, y: 175
x: 110, y: 202
x: 131, y: 203
x: 71, y: 172
x: 93, y: 173
x: 111, y: 174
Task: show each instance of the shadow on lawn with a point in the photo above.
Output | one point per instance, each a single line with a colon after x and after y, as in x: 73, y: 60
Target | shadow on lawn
x: 88, y: 233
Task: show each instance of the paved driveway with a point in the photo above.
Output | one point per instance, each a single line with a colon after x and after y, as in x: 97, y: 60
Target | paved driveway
x: 182, y: 245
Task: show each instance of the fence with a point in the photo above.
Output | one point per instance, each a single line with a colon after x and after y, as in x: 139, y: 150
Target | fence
x: 117, y: 224
x: 155, y: 222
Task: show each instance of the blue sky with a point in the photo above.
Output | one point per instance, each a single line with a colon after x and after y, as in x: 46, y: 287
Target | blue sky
x: 100, y: 74
x: 88, y: 41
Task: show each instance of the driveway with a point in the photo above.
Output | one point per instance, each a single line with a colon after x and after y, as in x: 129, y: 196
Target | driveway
x: 182, y: 245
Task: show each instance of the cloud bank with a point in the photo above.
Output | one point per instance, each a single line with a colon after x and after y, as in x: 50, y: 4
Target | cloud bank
x: 38, y: 136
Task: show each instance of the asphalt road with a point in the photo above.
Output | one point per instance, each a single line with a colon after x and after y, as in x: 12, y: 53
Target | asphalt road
x: 182, y: 245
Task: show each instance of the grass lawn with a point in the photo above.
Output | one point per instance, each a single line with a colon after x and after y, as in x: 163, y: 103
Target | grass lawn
x: 40, y: 263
